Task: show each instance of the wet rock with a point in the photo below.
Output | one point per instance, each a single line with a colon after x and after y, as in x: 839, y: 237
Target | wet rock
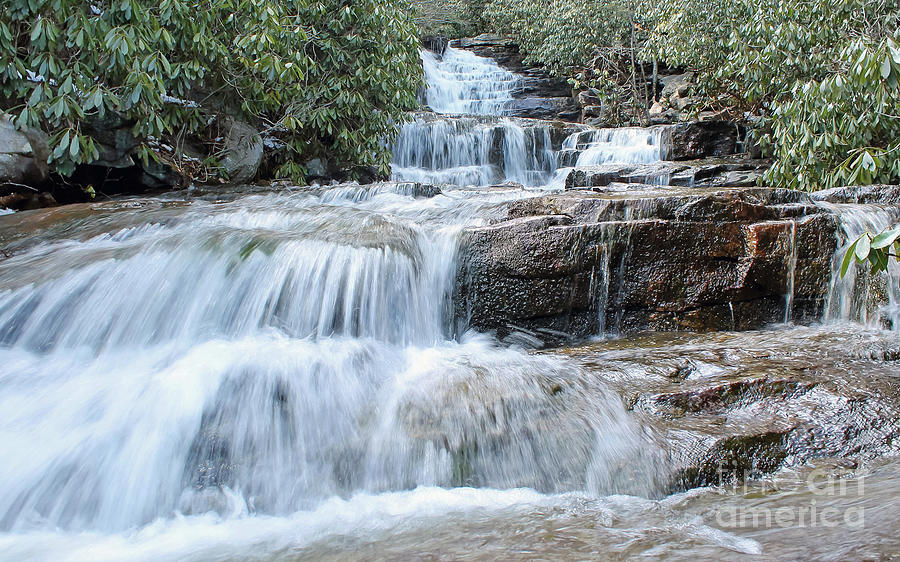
x: 639, y: 257
x: 543, y: 108
x: 742, y: 405
x: 703, y: 173
x: 869, y: 194
x: 691, y: 141
x: 243, y: 151
x: 435, y: 43
x: 23, y: 155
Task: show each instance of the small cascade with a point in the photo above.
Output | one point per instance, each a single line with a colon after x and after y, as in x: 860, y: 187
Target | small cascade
x: 860, y: 296
x: 627, y: 145
x: 791, y: 275
x: 460, y: 82
x: 473, y: 151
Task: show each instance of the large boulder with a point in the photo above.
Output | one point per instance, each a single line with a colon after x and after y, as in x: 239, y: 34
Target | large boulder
x: 569, y: 265
x: 700, y: 139
x: 543, y: 108
x: 676, y: 85
x: 243, y: 151
x: 23, y: 155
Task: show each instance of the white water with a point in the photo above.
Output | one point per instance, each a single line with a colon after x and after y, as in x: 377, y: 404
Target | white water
x: 465, y: 151
x: 460, y: 82
x: 191, y: 380
x: 261, y: 359
x: 628, y: 145
x: 481, y: 151
x: 860, y: 296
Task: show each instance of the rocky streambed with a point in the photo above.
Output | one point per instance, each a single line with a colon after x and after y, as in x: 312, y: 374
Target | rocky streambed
x: 544, y: 338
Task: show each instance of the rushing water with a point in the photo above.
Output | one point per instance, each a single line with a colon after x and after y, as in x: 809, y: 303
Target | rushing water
x: 873, y: 300
x: 456, y: 148
x: 261, y: 356
x: 460, y: 82
x: 467, y: 151
x: 275, y: 376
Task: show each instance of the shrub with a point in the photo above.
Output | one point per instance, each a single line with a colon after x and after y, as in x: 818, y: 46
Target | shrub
x: 331, y: 77
x: 822, y: 75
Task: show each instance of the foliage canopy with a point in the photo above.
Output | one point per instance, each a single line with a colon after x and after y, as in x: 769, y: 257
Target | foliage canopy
x: 327, y: 76
x: 820, y: 78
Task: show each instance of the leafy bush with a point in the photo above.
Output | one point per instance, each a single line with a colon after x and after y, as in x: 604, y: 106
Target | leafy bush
x: 331, y: 77
x: 567, y: 36
x: 845, y: 128
x: 877, y: 250
x: 822, y: 75
x: 450, y: 18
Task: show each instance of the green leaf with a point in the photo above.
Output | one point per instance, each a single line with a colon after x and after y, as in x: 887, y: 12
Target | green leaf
x: 74, y: 147
x: 863, y: 246
x: 886, y: 238
x: 848, y: 258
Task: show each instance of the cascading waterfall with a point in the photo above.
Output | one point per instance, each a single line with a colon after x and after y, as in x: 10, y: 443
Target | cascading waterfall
x: 277, y: 376
x: 481, y: 151
x: 460, y: 82
x: 469, y: 151
x: 262, y: 356
x: 259, y: 357
x: 860, y: 296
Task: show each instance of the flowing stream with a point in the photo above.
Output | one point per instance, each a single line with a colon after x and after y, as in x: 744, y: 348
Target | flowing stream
x: 261, y: 376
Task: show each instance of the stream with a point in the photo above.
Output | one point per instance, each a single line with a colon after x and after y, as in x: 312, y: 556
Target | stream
x: 251, y: 374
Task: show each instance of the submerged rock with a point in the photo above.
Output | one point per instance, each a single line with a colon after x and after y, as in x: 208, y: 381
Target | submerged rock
x: 741, y: 406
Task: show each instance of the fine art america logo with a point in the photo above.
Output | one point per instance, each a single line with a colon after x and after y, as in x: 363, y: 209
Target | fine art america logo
x: 822, y: 500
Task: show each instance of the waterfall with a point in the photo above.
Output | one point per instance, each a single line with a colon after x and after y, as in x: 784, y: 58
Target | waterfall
x: 860, y: 296
x: 470, y: 151
x: 199, y: 362
x: 265, y: 355
x: 460, y: 82
x: 458, y: 149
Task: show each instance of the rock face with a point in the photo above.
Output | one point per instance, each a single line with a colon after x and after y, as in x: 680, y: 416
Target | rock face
x: 543, y: 108
x: 733, y: 172
x: 243, y: 151
x: 878, y: 194
x: 634, y: 258
x: 20, y: 161
x: 689, y: 141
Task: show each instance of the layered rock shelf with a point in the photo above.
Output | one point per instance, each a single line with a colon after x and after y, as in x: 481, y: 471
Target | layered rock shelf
x: 636, y: 257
